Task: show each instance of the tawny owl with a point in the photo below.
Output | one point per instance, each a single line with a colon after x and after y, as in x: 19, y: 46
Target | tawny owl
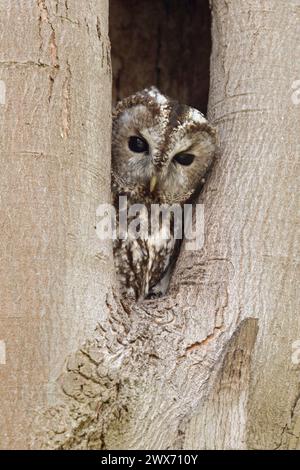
x: 161, y: 151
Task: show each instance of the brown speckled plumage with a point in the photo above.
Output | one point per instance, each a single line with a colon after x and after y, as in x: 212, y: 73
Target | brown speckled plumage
x: 169, y: 129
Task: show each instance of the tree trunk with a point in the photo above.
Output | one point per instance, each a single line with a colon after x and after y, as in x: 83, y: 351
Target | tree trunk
x: 257, y: 204
x: 209, y: 365
x: 55, y: 153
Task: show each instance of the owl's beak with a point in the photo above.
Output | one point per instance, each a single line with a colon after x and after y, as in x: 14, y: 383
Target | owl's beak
x: 153, y: 183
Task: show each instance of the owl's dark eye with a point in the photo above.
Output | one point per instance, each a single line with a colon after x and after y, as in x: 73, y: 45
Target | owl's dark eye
x: 184, y: 158
x: 137, y: 144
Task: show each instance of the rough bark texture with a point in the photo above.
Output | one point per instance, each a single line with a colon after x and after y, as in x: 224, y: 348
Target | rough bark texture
x: 209, y: 365
x: 166, y: 43
x: 55, y: 153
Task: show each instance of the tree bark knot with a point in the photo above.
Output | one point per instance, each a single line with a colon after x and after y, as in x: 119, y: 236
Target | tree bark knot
x: 139, y: 354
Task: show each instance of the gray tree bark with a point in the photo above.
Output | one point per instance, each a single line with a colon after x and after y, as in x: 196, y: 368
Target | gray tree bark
x: 55, y: 154
x: 210, y: 365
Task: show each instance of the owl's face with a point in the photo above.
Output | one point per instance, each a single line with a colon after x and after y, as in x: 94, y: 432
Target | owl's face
x: 160, y: 147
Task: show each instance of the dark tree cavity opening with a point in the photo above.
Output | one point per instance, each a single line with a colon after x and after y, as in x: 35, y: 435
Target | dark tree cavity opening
x: 166, y: 43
